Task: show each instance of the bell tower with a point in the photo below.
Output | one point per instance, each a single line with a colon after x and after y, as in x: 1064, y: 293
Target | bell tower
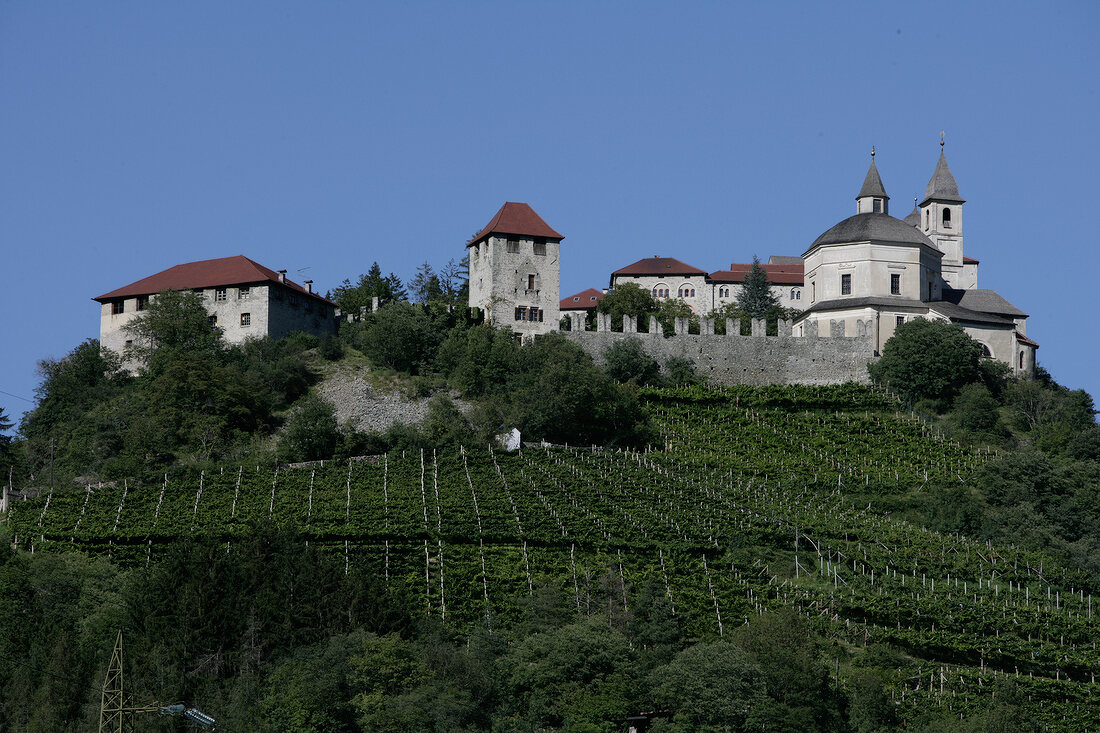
x: 942, y: 221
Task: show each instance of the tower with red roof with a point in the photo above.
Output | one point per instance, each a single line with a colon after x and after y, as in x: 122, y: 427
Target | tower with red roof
x: 515, y: 271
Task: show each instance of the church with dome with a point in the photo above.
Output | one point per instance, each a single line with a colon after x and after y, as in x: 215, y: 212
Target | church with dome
x: 883, y: 271
x: 862, y: 278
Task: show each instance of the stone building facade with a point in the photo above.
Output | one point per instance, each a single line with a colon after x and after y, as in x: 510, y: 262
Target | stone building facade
x: 243, y: 298
x: 515, y: 271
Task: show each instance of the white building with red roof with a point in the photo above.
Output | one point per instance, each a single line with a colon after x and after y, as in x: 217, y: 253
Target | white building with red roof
x: 668, y: 278
x: 244, y: 299
x: 515, y: 271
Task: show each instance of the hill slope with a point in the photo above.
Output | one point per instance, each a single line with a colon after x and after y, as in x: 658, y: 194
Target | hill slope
x: 747, y: 506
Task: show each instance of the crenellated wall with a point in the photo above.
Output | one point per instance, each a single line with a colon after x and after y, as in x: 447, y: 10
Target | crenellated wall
x: 736, y: 359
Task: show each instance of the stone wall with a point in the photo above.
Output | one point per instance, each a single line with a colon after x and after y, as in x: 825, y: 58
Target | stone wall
x: 756, y: 359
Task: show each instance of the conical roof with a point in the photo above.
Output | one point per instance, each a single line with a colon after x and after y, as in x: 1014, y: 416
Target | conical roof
x: 872, y: 184
x: 913, y: 219
x: 942, y: 187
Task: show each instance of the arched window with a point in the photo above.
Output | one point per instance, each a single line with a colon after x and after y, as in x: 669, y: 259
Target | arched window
x: 985, y: 351
x: 946, y: 218
x: 792, y: 293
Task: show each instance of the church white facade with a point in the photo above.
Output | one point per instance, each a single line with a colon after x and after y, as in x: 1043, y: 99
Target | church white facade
x: 875, y: 268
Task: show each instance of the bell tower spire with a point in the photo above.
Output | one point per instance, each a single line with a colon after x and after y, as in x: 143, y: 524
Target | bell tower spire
x: 872, y: 198
x: 942, y: 222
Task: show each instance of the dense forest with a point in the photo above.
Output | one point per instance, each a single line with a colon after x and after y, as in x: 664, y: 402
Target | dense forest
x: 921, y: 555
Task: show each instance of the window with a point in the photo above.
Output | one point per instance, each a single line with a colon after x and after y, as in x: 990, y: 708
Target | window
x: 723, y: 292
x: 219, y: 295
x: 142, y: 302
x: 793, y: 291
x: 118, y: 306
x: 540, y: 246
x: 654, y: 292
x: 536, y: 312
x: 798, y: 295
x: 246, y: 319
x: 900, y: 320
x: 846, y: 284
x: 576, y: 298
x: 895, y: 284
x: 926, y: 215
x: 813, y: 291
x: 513, y: 246
x: 521, y: 313
x: 530, y: 282
x: 130, y: 342
x: 877, y: 206
x: 946, y: 218
x: 1021, y: 360
x: 244, y: 293
x: 212, y: 320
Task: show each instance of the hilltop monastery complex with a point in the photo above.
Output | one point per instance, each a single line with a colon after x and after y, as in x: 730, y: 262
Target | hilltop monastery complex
x: 861, y: 278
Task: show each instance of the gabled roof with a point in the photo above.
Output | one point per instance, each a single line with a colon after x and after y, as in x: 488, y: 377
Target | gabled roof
x: 987, y: 301
x: 519, y: 219
x: 872, y: 184
x: 785, y: 274
x: 584, y: 300
x: 220, y: 272
x: 667, y: 266
x: 942, y: 186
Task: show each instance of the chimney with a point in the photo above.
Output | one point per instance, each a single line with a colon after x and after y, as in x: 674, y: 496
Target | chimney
x: 309, y: 286
x: 282, y: 276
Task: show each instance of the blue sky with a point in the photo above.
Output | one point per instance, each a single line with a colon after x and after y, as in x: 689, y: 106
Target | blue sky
x: 319, y: 137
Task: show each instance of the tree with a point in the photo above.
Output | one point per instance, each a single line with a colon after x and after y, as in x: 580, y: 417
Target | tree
x: 627, y: 299
x: 173, y: 322
x: 311, y: 432
x: 927, y: 359
x: 5, y: 444
x: 756, y: 296
x: 709, y: 686
x: 425, y: 285
x: 627, y: 361
x: 400, y: 336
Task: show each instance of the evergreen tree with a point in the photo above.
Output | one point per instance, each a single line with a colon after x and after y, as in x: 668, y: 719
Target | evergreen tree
x: 756, y: 295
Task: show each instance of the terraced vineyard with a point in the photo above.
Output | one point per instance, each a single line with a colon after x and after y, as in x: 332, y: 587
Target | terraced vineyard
x: 744, y: 507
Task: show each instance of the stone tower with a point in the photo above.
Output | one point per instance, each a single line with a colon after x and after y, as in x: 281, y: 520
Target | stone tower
x: 942, y: 222
x: 515, y: 271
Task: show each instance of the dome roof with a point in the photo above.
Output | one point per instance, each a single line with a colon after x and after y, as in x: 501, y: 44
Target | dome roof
x: 879, y: 227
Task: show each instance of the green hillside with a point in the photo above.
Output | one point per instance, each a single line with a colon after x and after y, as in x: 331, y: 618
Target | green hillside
x: 756, y: 499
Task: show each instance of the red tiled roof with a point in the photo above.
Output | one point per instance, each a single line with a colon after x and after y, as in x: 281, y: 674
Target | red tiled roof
x: 659, y: 266
x: 223, y: 271
x: 1025, y: 340
x: 516, y: 218
x: 787, y: 274
x: 584, y: 300
x: 969, y: 261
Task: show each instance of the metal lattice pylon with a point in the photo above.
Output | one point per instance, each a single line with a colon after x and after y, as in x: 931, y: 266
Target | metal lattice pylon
x: 112, y: 712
